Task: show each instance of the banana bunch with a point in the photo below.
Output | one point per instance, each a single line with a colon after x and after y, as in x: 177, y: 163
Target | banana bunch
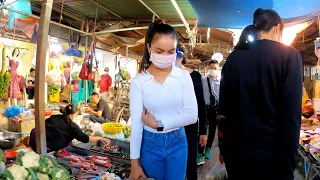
x: 4, y: 84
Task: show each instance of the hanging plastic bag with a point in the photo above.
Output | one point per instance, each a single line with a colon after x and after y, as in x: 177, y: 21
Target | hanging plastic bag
x: 218, y: 172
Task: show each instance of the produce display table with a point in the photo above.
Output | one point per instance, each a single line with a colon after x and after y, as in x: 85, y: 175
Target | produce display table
x: 311, y: 165
x: 120, y: 164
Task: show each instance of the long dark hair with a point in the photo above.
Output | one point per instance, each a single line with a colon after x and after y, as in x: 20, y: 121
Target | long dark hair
x: 263, y: 20
x: 14, y: 50
x: 157, y: 27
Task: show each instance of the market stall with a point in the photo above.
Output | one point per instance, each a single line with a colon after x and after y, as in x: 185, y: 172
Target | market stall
x: 80, y: 160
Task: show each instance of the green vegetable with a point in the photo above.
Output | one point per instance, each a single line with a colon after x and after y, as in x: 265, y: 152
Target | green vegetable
x: 75, y: 75
x: 45, y: 165
x: 97, y: 133
x: 7, y: 175
x: 31, y: 176
x: 1, y: 155
x: 60, y: 173
x: 126, y: 131
x: 19, y: 158
x: 54, y: 89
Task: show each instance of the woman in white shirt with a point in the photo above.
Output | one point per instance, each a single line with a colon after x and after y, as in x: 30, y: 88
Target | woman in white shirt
x: 162, y: 102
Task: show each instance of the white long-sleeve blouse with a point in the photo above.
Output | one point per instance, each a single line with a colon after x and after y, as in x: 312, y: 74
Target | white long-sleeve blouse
x: 173, y: 103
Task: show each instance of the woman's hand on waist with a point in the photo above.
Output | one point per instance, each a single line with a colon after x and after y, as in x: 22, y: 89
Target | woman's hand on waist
x: 149, y: 119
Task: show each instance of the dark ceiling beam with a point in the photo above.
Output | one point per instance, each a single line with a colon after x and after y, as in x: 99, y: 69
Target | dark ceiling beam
x: 105, y: 8
x: 146, y: 20
x: 57, y: 1
x: 67, y: 14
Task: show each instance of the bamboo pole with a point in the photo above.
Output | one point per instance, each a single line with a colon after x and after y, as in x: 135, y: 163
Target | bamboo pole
x: 42, y: 47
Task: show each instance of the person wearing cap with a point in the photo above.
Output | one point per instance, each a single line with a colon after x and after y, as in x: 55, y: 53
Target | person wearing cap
x: 211, y: 88
x: 105, y: 84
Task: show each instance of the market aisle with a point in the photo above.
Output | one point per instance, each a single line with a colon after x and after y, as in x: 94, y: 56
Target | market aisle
x: 204, y: 169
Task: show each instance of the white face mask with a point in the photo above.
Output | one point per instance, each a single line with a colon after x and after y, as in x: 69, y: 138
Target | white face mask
x: 212, y: 72
x: 161, y: 61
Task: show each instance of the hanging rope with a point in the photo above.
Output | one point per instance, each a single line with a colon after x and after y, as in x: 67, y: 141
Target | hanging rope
x: 61, y: 10
x: 95, y: 19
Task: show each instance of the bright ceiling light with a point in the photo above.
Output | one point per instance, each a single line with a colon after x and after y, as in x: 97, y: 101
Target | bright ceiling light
x: 56, y: 47
x: 290, y: 33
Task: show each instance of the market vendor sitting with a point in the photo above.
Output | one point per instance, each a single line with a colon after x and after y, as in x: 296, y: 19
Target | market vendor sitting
x: 30, y: 83
x: 309, y: 116
x: 102, y: 114
x: 61, y: 130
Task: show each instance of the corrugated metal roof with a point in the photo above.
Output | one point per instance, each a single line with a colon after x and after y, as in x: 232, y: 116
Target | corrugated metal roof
x: 131, y: 8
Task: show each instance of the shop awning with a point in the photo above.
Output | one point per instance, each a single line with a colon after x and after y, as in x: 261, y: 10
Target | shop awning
x: 237, y: 14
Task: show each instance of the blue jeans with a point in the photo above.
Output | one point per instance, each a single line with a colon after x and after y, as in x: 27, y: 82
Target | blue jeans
x: 164, y: 156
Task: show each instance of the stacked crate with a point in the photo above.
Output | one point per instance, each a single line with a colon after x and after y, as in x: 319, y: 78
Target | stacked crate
x: 123, y: 101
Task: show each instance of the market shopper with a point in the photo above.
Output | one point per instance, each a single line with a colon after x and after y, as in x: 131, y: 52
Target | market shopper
x: 162, y: 102
x: 195, y: 142
x: 260, y: 103
x: 102, y: 112
x: 61, y: 130
x: 211, y: 88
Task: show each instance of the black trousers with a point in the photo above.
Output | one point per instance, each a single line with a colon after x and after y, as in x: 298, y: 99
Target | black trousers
x: 192, y: 138
x: 30, y: 92
x: 212, y: 122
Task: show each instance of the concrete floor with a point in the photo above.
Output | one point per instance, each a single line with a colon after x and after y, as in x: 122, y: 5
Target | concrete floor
x: 204, y: 169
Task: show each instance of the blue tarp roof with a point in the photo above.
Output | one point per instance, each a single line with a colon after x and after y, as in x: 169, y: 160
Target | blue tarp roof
x: 238, y: 13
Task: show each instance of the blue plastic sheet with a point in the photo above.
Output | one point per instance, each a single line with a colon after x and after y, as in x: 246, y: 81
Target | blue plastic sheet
x: 237, y: 14
x: 73, y: 52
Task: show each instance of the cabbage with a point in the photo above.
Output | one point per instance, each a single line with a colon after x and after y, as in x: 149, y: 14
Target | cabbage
x: 31, y: 160
x: 41, y: 176
x: 15, y: 172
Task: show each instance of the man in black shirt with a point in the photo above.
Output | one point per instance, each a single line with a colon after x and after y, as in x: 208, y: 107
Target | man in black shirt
x: 103, y: 111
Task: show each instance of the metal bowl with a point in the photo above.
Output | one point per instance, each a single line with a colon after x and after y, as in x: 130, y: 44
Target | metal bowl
x: 9, y: 140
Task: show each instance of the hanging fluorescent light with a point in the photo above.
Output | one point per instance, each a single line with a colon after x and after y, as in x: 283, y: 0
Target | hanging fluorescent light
x: 56, y: 47
x: 176, y: 6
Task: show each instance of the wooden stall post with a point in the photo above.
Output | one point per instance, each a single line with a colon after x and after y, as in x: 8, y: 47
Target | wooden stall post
x: 42, y: 47
x: 86, y: 52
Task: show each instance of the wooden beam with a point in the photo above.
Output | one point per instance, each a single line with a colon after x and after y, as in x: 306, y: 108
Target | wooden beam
x: 125, y: 24
x: 146, y: 20
x: 120, y: 50
x: 67, y: 14
x: 42, y: 47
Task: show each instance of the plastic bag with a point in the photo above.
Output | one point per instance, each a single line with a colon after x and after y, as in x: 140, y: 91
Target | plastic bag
x: 218, y: 172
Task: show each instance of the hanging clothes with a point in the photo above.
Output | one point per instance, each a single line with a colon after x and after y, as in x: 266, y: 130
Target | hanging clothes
x: 54, y: 63
x: 80, y: 95
x: 105, y: 83
x: 14, y: 89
